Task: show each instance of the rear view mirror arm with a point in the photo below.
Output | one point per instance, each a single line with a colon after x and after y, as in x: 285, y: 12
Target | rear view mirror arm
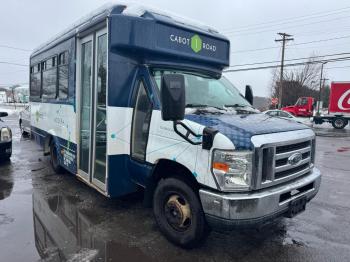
x: 188, y: 133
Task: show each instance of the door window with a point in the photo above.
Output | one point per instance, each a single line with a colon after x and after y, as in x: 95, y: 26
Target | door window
x: 100, y: 123
x: 85, y: 108
x: 141, y: 123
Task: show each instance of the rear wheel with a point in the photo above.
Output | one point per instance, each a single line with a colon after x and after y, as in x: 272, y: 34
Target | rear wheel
x: 179, y: 213
x: 21, y: 127
x: 339, y: 123
x: 23, y: 132
x: 54, y: 159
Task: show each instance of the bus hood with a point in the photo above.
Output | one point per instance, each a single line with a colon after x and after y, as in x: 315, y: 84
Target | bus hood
x: 240, y: 128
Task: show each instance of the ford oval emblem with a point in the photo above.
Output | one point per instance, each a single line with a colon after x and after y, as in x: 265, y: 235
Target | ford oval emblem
x: 295, y: 159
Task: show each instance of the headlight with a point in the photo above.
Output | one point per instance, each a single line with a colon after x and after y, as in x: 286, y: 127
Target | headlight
x: 5, y: 134
x: 232, y: 169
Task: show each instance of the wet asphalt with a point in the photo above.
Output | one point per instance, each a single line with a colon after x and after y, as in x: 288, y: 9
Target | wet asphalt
x: 51, y: 217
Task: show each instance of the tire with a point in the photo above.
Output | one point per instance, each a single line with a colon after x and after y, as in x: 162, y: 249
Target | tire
x: 23, y: 132
x: 179, y: 214
x: 21, y: 127
x: 54, y: 159
x: 339, y: 123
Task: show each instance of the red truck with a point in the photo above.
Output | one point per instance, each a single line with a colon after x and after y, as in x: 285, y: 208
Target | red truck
x: 303, y: 107
x: 339, y: 106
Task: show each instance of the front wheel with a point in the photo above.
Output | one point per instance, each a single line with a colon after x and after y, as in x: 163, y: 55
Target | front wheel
x: 339, y: 123
x: 179, y: 213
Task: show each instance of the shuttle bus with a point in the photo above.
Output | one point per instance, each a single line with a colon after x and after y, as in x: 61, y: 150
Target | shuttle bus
x: 130, y: 97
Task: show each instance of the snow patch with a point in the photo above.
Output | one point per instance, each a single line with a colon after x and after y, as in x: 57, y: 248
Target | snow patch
x: 84, y: 254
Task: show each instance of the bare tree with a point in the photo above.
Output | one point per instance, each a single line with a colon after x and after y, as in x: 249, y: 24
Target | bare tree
x: 297, y: 82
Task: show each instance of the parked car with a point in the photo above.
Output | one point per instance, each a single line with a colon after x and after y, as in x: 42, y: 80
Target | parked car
x: 24, y: 121
x: 287, y: 115
x: 5, y: 138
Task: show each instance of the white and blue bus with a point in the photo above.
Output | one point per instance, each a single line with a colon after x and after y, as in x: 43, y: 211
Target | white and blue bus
x: 130, y: 97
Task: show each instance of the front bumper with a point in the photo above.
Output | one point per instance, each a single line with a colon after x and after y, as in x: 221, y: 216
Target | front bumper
x: 5, y: 149
x: 240, y: 209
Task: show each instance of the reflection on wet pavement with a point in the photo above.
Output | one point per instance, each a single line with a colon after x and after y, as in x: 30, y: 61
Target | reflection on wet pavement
x: 49, y: 217
x: 63, y: 232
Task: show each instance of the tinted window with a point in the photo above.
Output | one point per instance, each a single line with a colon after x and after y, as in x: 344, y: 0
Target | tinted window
x: 62, y: 58
x: 35, y: 84
x: 272, y: 113
x: 284, y: 114
x: 49, y: 79
x: 63, y: 75
x: 302, y: 101
x: 141, y: 123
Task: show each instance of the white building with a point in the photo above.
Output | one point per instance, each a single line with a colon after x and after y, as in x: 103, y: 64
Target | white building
x: 3, y: 97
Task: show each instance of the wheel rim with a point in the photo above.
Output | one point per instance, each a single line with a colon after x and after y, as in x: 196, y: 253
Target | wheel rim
x: 338, y: 123
x: 178, y: 212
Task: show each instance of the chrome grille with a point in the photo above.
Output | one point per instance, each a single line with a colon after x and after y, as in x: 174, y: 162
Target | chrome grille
x: 280, y: 161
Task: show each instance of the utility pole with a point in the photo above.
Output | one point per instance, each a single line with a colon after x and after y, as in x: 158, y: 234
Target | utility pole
x: 285, y: 38
x: 319, y: 95
x: 323, y: 80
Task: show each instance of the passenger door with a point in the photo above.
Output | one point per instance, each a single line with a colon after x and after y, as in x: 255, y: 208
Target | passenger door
x: 91, y: 97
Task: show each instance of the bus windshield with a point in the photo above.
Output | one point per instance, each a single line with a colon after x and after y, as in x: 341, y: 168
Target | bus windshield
x: 203, y: 91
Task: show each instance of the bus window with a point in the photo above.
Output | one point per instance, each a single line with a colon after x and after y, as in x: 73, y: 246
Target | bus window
x: 35, y: 82
x: 49, y: 79
x: 63, y: 76
x: 141, y: 123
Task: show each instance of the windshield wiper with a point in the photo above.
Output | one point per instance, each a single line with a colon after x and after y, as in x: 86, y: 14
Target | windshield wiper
x: 235, y: 105
x: 196, y: 105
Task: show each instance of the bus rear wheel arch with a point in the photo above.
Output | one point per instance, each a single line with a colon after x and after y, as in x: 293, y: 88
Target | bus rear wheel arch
x: 55, y: 163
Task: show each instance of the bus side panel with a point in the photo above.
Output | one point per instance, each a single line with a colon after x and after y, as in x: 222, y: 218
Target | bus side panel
x: 57, y: 122
x: 121, y: 77
x: 56, y: 117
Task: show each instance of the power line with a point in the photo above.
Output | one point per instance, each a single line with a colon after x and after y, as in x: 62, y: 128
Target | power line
x: 9, y: 63
x: 293, y: 59
x: 309, y: 16
x: 337, y: 67
x: 288, y: 27
x: 324, y: 31
x: 15, y: 48
x: 289, y: 65
x: 297, y: 44
x: 322, y: 40
x: 14, y: 72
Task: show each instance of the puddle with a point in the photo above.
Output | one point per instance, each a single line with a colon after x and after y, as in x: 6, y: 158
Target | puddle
x: 75, y: 236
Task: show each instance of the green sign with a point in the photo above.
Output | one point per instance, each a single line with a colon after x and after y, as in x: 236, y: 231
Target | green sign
x: 196, y: 43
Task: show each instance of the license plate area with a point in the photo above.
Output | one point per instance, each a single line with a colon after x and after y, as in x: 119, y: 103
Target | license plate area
x: 296, y: 206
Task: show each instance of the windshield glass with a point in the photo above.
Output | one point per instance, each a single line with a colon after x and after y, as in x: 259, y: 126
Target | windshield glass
x: 203, y: 91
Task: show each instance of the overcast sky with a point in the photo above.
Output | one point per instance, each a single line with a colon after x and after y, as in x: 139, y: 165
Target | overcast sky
x: 26, y: 24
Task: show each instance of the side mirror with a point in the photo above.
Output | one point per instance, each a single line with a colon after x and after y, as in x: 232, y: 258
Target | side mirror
x: 249, y: 94
x: 3, y: 114
x: 173, y: 98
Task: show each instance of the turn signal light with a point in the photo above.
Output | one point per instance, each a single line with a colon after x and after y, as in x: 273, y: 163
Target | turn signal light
x: 221, y: 166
